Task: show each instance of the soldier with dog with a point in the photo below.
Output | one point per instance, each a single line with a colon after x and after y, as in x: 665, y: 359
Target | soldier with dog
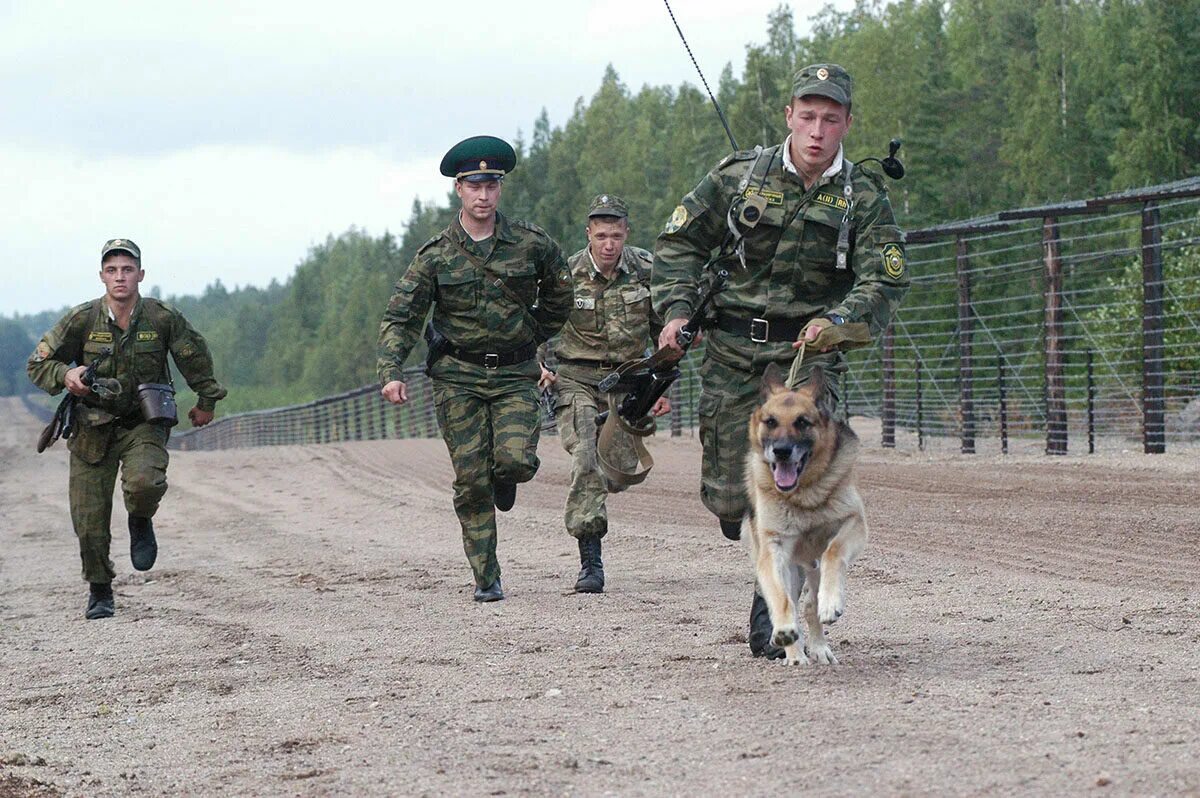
x: 819, y: 263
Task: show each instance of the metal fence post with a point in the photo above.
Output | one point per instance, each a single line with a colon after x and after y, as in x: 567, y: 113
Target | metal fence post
x: 1056, y: 399
x: 1003, y: 404
x: 888, y: 412
x: 920, y: 409
x: 966, y: 386
x: 1091, y: 404
x: 1154, y: 439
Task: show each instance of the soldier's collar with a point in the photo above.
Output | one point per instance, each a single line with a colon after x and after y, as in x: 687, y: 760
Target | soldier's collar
x: 504, y: 229
x: 137, y: 307
x: 834, y: 169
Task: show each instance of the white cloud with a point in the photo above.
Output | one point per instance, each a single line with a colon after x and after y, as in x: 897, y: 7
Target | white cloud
x: 243, y: 214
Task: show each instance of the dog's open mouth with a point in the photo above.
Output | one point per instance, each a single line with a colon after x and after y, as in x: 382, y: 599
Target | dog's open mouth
x: 787, y: 472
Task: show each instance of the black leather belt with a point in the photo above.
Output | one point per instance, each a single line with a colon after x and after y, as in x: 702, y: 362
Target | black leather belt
x: 604, y: 365
x: 494, y: 360
x: 763, y: 331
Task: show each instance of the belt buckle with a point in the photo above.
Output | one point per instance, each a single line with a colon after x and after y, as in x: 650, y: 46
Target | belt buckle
x: 760, y: 330
x: 491, y: 361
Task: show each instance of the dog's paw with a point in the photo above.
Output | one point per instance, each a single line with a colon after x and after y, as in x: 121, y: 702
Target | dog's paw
x: 797, y: 657
x: 821, y: 653
x: 785, y: 635
x: 830, y: 605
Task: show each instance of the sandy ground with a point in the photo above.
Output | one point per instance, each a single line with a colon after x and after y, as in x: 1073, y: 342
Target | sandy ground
x: 1015, y: 626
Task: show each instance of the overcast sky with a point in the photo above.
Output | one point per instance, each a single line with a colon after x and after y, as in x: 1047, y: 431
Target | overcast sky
x: 226, y: 138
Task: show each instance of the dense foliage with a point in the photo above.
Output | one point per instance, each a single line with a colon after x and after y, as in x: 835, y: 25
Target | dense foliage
x: 1000, y: 103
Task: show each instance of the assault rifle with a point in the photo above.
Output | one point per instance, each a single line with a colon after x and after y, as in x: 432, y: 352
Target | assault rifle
x: 643, y: 382
x: 64, y: 422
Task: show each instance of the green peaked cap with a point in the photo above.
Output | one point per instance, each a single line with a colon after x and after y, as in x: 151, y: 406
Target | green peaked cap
x: 479, y: 158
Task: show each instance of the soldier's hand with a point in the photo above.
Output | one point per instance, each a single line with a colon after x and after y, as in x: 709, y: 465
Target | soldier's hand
x: 199, y: 417
x: 812, y: 331
x: 73, y: 382
x: 661, y: 407
x: 395, y: 392
x: 670, y: 332
x: 547, y: 379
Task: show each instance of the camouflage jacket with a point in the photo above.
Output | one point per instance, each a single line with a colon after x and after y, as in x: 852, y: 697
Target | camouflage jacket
x: 461, y: 278
x: 138, y: 354
x: 791, y: 270
x: 611, y: 319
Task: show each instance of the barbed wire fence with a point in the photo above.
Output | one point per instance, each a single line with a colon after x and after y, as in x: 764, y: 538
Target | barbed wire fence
x: 1068, y: 327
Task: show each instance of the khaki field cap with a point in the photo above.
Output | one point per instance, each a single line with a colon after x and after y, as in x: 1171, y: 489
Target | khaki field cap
x: 120, y: 245
x: 824, y: 80
x: 608, y: 205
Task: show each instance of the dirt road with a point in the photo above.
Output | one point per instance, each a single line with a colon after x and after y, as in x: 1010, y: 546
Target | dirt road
x: 1019, y: 625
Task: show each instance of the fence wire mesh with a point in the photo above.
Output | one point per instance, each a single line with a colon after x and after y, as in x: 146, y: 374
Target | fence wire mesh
x: 1077, y: 330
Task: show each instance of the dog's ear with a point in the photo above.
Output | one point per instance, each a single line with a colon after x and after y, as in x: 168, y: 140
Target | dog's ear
x: 819, y: 389
x: 772, y: 381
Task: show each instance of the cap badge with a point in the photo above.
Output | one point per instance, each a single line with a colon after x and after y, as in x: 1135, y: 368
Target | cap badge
x: 822, y: 74
x: 117, y: 242
x: 483, y: 164
x: 604, y: 199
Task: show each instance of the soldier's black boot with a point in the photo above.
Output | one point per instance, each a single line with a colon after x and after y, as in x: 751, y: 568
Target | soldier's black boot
x: 493, y: 592
x: 143, y: 548
x: 591, y: 572
x: 504, y: 495
x: 100, y: 601
x: 761, y: 629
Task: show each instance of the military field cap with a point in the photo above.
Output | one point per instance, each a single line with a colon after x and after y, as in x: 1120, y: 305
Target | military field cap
x: 608, y: 205
x: 120, y: 245
x: 479, y: 158
x: 825, y: 80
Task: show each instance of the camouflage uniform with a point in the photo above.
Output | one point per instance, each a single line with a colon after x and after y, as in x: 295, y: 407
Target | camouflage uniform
x: 791, y: 276
x: 612, y: 321
x: 111, y: 432
x: 489, y: 416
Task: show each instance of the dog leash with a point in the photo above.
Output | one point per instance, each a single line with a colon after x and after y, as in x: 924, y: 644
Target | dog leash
x: 794, y: 371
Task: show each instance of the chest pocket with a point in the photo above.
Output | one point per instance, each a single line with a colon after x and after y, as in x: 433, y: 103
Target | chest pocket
x: 149, y: 361
x: 636, y: 300
x: 585, y: 316
x: 521, y: 279
x: 818, y: 241
x: 458, y: 288
x: 92, y: 350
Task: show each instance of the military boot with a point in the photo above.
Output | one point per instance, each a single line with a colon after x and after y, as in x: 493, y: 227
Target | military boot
x: 504, y: 495
x: 591, y: 574
x: 493, y: 592
x: 100, y: 602
x: 761, y: 629
x: 143, y: 548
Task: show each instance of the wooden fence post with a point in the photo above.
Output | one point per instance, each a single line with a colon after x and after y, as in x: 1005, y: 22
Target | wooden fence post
x: 1056, y: 395
x: 966, y: 386
x: 888, y: 412
x: 1154, y: 438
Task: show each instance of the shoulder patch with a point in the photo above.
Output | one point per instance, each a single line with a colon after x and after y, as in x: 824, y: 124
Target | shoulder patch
x: 678, y: 219
x: 42, y: 352
x: 893, y: 260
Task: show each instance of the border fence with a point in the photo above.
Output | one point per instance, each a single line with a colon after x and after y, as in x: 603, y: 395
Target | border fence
x: 1074, y: 322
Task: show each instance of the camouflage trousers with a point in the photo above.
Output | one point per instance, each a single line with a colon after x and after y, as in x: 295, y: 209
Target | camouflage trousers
x: 490, y: 420
x: 575, y: 413
x: 96, y: 455
x: 728, y: 395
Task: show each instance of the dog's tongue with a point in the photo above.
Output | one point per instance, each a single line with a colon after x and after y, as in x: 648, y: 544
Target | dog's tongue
x: 786, y: 475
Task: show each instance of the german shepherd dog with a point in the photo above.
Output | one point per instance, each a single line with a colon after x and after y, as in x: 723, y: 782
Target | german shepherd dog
x: 804, y: 510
